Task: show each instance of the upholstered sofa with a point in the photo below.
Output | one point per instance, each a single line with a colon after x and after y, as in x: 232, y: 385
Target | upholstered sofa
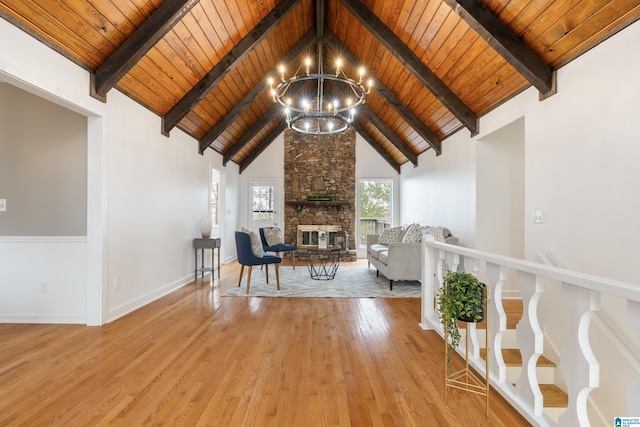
x: 397, y: 252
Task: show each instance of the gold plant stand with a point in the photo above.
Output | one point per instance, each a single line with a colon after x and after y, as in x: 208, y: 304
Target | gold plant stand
x: 467, y: 379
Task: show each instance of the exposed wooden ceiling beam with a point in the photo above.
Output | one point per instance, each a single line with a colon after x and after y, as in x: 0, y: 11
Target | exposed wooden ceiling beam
x: 251, y: 96
x: 376, y: 145
x: 248, y: 135
x: 263, y: 145
x: 388, y: 133
x: 421, y: 72
x: 230, y: 61
x: 389, y: 97
x: 320, y: 14
x: 507, y: 44
x: 136, y: 46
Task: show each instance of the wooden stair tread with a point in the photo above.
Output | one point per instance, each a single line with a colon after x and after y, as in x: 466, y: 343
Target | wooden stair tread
x: 553, y: 396
x: 512, y: 357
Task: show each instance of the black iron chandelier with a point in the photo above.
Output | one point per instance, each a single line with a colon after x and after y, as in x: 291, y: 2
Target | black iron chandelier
x: 319, y: 103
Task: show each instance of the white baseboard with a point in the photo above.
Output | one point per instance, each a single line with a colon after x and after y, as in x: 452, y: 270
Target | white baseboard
x: 39, y: 318
x: 141, y: 301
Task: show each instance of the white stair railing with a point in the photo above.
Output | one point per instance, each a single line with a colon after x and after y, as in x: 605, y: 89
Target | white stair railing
x: 581, y: 294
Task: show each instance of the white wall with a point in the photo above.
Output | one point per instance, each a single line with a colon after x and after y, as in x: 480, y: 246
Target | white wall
x: 146, y: 194
x: 441, y: 190
x: 500, y: 187
x: 158, y: 189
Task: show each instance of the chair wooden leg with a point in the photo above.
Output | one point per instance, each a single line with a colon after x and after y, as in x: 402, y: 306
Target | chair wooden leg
x: 390, y: 285
x: 249, y: 278
x: 266, y: 269
x: 277, y: 277
x: 240, y: 278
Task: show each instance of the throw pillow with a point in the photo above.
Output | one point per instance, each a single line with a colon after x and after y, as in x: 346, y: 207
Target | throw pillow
x: 256, y: 243
x: 273, y: 236
x: 438, y: 233
x: 390, y: 235
x: 413, y: 234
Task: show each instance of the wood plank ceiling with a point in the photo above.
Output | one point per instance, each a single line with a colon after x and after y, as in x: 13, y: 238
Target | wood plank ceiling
x: 438, y: 65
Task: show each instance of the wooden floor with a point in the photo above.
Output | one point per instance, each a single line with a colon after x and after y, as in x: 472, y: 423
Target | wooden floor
x: 197, y: 358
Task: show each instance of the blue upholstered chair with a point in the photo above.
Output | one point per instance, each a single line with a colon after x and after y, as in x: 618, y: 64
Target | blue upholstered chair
x: 282, y: 247
x: 247, y: 258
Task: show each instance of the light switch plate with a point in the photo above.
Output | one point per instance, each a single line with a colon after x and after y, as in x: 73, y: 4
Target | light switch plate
x: 538, y: 217
x: 3, y: 205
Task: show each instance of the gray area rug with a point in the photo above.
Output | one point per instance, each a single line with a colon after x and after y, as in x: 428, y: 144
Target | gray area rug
x: 350, y: 282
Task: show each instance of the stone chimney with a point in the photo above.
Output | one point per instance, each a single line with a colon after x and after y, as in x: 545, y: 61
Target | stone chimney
x: 320, y: 165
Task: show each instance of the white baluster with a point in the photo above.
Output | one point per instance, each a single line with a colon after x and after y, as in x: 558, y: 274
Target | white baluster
x: 633, y: 389
x: 530, y: 341
x: 497, y: 320
x: 577, y: 361
x: 428, y: 283
x: 474, y: 349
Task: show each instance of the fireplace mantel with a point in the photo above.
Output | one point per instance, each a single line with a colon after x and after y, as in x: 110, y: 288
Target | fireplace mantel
x: 299, y: 204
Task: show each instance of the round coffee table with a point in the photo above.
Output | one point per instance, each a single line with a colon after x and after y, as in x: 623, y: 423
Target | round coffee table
x: 323, y: 262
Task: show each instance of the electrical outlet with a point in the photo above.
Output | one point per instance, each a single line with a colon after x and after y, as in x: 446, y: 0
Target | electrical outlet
x: 44, y: 287
x: 116, y: 282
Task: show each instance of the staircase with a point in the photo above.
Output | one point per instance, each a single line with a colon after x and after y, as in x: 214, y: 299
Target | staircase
x: 563, y: 307
x: 555, y: 399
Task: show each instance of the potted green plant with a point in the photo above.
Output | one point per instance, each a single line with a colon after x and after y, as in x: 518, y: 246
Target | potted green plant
x: 462, y: 298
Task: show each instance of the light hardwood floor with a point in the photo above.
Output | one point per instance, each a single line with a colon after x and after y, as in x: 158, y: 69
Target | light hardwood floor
x: 197, y: 358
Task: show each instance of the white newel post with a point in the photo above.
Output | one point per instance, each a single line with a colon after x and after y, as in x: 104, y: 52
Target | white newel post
x: 633, y: 389
x: 530, y: 341
x: 577, y: 361
x: 497, y: 321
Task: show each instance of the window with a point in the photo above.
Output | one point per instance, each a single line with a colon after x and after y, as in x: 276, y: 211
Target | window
x: 375, y: 207
x: 214, y: 198
x: 215, y: 187
x: 263, y: 202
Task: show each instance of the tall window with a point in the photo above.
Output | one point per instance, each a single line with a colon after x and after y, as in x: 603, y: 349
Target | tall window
x: 263, y: 202
x: 375, y: 207
x: 214, y: 197
x: 215, y: 188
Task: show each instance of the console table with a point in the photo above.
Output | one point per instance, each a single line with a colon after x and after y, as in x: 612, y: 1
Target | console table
x: 201, y: 244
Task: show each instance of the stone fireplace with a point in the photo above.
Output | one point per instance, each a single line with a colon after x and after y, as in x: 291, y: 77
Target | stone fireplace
x: 319, y: 165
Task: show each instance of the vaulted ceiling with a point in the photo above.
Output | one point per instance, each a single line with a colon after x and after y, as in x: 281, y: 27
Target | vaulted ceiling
x: 438, y: 65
